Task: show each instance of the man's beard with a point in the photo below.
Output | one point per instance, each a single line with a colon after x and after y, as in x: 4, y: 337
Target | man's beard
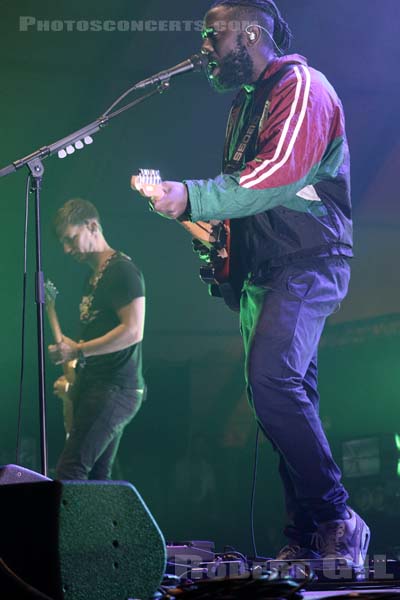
x: 235, y: 70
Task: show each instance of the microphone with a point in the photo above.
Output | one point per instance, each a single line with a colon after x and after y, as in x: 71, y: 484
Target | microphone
x: 194, y: 63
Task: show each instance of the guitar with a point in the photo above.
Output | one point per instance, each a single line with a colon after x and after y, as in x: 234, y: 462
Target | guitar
x: 63, y: 383
x: 214, y: 235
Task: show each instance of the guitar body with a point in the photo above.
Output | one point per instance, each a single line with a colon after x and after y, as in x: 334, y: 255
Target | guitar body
x: 61, y: 389
x: 218, y: 273
x: 215, y: 236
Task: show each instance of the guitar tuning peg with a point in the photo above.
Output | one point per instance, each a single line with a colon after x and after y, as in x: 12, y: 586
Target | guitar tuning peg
x: 79, y: 145
x: 61, y: 153
x: 88, y: 140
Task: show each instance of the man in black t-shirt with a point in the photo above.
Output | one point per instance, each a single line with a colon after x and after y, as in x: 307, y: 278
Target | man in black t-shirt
x: 109, y: 385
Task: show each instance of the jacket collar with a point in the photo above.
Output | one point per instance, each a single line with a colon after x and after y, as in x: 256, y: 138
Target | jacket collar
x: 274, y: 66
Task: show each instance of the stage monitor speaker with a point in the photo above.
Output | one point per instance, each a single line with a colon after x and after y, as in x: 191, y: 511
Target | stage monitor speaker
x: 17, y: 474
x: 81, y: 540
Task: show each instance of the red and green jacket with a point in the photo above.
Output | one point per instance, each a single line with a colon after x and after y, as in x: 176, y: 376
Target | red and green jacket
x: 291, y: 195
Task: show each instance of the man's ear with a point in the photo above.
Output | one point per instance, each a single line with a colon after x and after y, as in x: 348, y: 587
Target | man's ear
x: 92, y: 225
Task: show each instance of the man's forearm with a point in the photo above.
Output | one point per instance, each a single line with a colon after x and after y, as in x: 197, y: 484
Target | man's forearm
x: 119, y: 338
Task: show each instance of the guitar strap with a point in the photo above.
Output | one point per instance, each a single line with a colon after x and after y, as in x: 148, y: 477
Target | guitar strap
x: 249, y: 139
x: 245, y: 149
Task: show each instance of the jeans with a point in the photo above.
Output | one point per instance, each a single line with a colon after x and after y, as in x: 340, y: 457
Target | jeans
x: 101, y: 412
x: 282, y: 319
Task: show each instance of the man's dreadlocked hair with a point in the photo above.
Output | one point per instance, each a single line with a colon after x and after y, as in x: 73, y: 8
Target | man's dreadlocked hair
x: 252, y: 8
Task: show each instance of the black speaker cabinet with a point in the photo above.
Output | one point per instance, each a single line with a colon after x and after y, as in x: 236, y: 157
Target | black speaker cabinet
x: 81, y: 540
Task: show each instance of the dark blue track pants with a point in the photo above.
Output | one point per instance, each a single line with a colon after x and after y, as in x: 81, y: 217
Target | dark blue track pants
x: 281, y: 322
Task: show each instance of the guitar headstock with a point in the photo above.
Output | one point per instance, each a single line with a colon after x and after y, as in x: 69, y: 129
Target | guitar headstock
x: 50, y: 291
x: 148, y: 183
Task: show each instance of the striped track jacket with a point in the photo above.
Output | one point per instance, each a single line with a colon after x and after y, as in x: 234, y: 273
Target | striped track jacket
x: 292, y: 195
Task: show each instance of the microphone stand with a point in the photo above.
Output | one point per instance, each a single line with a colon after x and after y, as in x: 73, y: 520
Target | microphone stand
x: 35, y: 165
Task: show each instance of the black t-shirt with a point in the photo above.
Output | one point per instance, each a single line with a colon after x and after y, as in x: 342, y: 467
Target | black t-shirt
x: 120, y: 283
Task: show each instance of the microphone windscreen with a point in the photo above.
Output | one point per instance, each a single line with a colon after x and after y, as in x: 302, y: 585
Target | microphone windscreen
x: 199, y: 61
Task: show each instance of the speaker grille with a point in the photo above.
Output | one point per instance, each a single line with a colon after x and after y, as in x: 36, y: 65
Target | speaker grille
x: 109, y: 541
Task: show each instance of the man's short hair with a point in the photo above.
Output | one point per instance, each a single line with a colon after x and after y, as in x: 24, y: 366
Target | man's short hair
x: 75, y: 212
x: 281, y: 33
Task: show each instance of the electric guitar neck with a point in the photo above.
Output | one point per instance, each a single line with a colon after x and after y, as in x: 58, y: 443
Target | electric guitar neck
x: 65, y: 382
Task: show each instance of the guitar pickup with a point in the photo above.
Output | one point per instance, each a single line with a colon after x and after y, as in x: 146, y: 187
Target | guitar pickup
x: 208, y: 274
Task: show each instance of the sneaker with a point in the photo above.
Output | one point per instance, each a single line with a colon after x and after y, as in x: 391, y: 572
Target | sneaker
x: 346, y: 539
x: 293, y: 551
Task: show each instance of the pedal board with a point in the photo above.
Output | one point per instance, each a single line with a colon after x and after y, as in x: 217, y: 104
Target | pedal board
x: 186, y: 556
x: 327, y: 570
x: 198, y: 561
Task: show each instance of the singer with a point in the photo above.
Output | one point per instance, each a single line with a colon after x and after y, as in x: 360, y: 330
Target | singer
x: 109, y: 386
x: 285, y: 187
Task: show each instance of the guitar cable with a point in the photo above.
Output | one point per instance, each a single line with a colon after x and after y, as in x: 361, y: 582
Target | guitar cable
x: 253, y: 493
x: 23, y: 321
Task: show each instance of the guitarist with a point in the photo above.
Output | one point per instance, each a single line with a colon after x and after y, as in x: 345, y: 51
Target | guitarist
x: 286, y: 188
x: 109, y: 386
